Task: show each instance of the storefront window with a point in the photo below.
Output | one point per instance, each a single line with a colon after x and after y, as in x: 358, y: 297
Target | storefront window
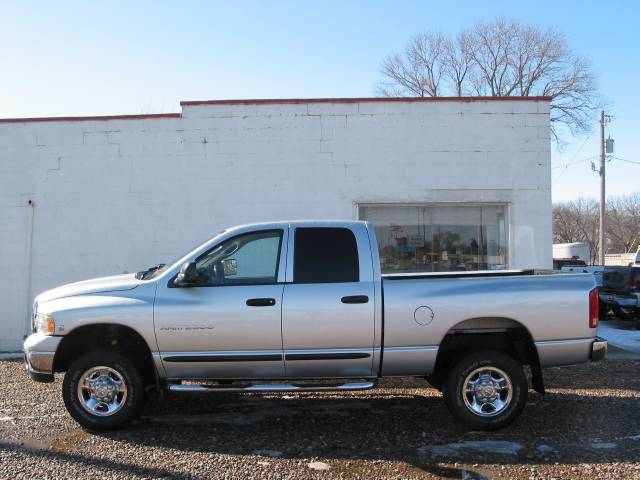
x: 439, y: 238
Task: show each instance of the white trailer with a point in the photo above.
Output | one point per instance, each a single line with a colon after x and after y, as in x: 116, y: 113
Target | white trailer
x: 575, y: 250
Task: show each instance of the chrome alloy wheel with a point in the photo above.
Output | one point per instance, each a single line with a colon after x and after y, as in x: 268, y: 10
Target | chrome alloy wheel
x: 487, y: 391
x: 102, y: 391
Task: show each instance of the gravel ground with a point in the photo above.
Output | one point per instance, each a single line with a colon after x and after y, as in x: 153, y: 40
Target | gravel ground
x: 588, y: 424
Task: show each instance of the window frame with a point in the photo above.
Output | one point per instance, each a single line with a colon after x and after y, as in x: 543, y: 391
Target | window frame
x: 506, y: 205
x: 282, y: 241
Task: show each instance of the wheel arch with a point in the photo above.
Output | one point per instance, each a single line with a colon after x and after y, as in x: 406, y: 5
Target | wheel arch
x: 110, y: 336
x: 501, y: 334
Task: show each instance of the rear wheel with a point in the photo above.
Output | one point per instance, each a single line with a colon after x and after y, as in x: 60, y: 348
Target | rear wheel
x: 102, y: 390
x: 486, y: 390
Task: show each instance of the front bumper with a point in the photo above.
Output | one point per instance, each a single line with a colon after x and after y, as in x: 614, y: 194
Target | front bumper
x: 598, y: 349
x: 39, y: 352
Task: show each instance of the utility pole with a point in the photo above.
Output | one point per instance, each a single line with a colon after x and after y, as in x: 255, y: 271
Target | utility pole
x: 602, y: 194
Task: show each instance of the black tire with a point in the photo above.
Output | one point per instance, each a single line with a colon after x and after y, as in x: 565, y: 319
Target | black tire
x: 624, y: 313
x: 435, y: 382
x: 455, y: 399
x: 132, y: 380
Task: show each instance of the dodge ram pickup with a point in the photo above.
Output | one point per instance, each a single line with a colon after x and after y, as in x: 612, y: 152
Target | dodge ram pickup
x: 303, y: 306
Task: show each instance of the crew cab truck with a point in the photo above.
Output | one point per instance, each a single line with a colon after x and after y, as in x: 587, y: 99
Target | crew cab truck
x: 303, y: 306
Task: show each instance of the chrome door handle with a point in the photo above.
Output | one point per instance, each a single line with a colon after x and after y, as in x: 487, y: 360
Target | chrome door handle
x: 355, y: 299
x: 261, y: 302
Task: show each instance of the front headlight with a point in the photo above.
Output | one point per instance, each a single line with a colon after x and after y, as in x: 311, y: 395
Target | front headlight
x: 44, y: 324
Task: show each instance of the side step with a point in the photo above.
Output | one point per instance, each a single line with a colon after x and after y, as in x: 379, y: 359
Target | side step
x: 174, y: 387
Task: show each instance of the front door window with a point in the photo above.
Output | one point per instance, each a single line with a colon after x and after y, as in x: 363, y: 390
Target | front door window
x: 249, y: 259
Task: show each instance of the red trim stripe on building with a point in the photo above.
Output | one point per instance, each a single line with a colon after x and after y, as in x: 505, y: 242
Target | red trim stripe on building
x: 90, y: 118
x: 273, y: 101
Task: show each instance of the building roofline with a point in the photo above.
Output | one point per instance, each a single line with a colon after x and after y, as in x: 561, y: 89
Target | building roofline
x: 273, y: 101
x: 90, y: 118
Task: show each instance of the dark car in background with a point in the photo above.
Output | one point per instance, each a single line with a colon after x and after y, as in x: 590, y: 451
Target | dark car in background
x: 619, y: 288
x: 620, y: 291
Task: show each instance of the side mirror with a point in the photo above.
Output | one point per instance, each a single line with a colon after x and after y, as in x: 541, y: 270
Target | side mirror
x: 230, y: 267
x: 188, y: 276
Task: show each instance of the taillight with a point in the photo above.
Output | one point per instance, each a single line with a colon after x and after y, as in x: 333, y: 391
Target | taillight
x: 634, y: 279
x: 594, y: 308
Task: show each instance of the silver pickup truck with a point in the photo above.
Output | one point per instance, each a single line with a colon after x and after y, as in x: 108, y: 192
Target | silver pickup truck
x: 303, y: 306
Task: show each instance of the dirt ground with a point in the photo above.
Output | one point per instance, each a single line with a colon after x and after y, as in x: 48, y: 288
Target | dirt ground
x: 587, y: 425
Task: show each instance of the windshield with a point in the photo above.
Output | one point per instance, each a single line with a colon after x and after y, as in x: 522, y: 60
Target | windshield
x: 156, y: 270
x: 159, y: 269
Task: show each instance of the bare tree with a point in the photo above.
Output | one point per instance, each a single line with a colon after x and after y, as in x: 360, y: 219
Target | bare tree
x: 623, y: 223
x: 498, y: 58
x: 418, y: 71
x: 457, y: 63
x: 490, y: 45
x: 577, y: 221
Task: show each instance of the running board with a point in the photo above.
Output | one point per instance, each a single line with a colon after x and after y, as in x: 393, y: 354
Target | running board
x: 271, y: 387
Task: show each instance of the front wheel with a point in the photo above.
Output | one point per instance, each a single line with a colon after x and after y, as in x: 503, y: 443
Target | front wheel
x: 102, y: 390
x: 486, y: 390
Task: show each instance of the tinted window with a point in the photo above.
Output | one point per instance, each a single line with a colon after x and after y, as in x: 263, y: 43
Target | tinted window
x: 325, y: 255
x: 247, y: 259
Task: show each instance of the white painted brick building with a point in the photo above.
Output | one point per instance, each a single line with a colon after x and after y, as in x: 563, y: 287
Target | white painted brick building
x: 454, y: 183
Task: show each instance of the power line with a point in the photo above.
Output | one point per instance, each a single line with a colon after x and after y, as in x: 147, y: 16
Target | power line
x: 575, y: 154
x: 559, y: 175
x: 628, y: 161
x: 568, y: 164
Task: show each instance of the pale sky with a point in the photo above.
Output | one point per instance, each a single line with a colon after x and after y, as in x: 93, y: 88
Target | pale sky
x: 110, y: 58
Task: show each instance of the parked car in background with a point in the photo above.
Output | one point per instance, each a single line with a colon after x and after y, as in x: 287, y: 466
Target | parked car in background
x: 303, y: 306
x: 618, y: 288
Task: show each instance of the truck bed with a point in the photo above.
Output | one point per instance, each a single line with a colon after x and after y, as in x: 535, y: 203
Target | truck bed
x: 423, y: 308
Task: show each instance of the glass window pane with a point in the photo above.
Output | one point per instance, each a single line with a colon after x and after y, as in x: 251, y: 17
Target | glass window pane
x: 439, y: 238
x: 401, y: 233
x: 325, y: 255
x: 247, y: 259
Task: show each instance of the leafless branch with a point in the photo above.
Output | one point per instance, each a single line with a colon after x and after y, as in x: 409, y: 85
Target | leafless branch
x: 499, y: 58
x: 578, y: 221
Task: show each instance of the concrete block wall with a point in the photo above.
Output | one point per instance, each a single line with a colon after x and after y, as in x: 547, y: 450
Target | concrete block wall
x: 119, y: 194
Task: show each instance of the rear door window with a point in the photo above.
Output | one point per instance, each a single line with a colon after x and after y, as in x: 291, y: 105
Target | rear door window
x: 325, y: 255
